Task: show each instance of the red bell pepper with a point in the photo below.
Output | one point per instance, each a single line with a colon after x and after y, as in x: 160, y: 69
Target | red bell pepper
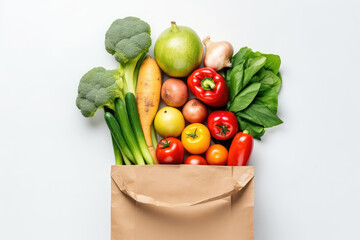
x: 223, y: 125
x: 209, y: 86
x: 240, y: 149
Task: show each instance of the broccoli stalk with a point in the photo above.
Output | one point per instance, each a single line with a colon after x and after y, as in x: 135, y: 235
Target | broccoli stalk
x: 131, y: 72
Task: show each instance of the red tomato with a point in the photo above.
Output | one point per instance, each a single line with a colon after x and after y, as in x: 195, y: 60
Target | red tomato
x: 170, y: 151
x: 240, y: 149
x: 195, y: 160
x: 217, y: 155
x: 223, y: 125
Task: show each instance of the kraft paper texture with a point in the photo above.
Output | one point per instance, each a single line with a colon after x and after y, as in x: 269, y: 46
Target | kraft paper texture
x: 177, y: 202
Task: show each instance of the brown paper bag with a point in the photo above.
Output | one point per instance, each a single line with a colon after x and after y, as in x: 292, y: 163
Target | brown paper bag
x: 177, y: 202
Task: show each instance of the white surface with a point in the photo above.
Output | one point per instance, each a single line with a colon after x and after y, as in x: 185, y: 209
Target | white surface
x: 55, y: 164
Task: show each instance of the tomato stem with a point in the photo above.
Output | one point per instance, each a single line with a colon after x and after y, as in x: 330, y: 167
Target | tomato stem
x: 165, y: 144
x: 193, y: 135
x: 223, y: 129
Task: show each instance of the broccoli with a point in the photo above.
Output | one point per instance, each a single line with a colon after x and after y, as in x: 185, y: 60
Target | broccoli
x: 128, y: 40
x: 98, y: 88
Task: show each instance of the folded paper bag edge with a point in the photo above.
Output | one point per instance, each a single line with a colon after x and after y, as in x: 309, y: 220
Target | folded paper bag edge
x: 238, y: 185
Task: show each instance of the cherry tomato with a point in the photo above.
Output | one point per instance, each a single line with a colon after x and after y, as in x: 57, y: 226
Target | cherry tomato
x: 170, y: 151
x: 195, y: 160
x: 196, y: 138
x: 223, y: 125
x: 217, y: 155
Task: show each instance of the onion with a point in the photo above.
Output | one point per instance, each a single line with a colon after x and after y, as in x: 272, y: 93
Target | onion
x: 217, y: 54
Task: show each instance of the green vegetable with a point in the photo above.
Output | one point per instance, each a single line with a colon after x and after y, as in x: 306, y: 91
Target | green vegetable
x: 117, y: 152
x: 118, y: 135
x: 136, y: 125
x: 122, y: 114
x: 254, y: 83
x: 153, y: 136
x: 245, y: 97
x: 129, y: 41
x: 98, y: 88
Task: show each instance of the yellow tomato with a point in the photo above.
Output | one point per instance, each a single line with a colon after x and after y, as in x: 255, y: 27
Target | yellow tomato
x: 169, y: 122
x: 196, y: 138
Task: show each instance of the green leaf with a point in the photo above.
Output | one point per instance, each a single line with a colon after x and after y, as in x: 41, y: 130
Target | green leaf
x: 272, y: 61
x: 242, y: 55
x: 236, y: 80
x: 258, y: 113
x: 227, y: 77
x: 255, y: 130
x: 253, y: 65
x: 270, y: 86
x: 245, y: 97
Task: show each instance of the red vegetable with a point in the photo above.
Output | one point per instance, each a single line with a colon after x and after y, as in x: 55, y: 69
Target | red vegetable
x: 240, y: 149
x: 223, y: 125
x: 209, y: 86
x: 170, y: 151
x: 195, y: 160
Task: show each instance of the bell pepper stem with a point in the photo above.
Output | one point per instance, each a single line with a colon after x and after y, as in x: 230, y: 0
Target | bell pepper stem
x: 246, y: 132
x: 208, y: 84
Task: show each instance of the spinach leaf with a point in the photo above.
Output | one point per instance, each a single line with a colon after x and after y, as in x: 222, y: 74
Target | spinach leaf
x: 253, y: 65
x: 236, y: 80
x: 245, y: 97
x: 270, y: 86
x: 272, y: 61
x: 255, y: 130
x: 258, y: 113
x: 242, y: 55
x: 227, y: 77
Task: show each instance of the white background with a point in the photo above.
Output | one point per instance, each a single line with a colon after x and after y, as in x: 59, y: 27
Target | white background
x: 55, y: 164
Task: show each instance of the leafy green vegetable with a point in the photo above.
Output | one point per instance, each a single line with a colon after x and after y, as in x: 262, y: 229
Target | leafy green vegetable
x: 245, y: 97
x: 254, y: 82
x: 236, y: 80
x: 242, y: 55
x: 255, y: 130
x: 272, y: 62
x: 258, y: 113
x: 270, y: 87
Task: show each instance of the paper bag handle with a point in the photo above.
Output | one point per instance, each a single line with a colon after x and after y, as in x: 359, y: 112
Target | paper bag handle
x: 236, y: 187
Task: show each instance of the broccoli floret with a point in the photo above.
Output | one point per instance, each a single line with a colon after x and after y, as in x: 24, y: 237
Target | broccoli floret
x: 128, y: 38
x: 98, y: 88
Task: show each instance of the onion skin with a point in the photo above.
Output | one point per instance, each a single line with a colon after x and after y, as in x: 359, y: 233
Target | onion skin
x: 217, y: 54
x: 194, y: 111
x: 174, y: 92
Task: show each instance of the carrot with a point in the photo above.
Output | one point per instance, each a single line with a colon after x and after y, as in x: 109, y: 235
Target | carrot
x: 148, y: 98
